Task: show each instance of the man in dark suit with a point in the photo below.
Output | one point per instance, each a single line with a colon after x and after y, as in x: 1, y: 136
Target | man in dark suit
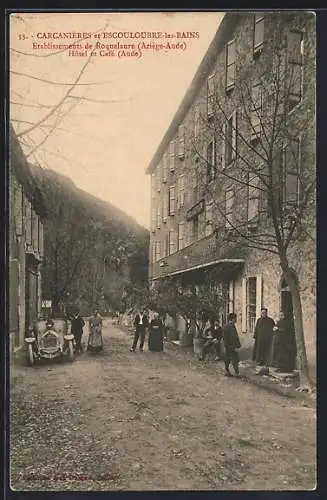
x: 231, y: 343
x: 141, y: 322
x: 77, y: 324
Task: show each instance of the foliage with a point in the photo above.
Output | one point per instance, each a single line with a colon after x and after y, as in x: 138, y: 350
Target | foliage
x: 92, y: 250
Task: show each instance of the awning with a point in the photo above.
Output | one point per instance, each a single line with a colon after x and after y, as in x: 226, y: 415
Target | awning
x: 226, y: 265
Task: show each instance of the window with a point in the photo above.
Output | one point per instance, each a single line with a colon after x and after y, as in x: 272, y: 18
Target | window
x: 181, y: 141
x: 211, y: 161
x: 158, y: 177
x: 295, y: 48
x: 253, y: 198
x: 172, y: 200
x: 165, y: 203
x: 166, y: 245
x: 157, y: 251
x: 28, y: 223
x: 180, y: 235
x: 181, y: 190
x: 251, y: 303
x: 210, y: 95
x: 172, y: 156
x: 153, y: 247
x: 35, y: 231
x: 226, y: 292
x: 171, y: 241
x: 164, y: 168
x: 229, y: 204
x: 196, y: 120
x: 230, y: 65
x: 158, y: 218
x: 194, y: 187
x: 229, y: 153
x: 256, y: 112
x: 258, y: 37
x: 153, y: 216
x: 208, y: 219
x: 291, y: 160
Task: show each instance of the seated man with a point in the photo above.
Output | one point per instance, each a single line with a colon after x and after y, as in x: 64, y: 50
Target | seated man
x: 213, y: 336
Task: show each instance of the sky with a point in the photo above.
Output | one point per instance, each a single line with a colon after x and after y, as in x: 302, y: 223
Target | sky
x: 105, y: 141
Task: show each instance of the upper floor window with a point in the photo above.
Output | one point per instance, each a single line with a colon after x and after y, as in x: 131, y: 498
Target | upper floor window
x: 253, y: 198
x: 229, y: 208
x: 181, y: 190
x: 180, y: 235
x: 158, y: 177
x: 157, y: 250
x: 209, y: 218
x: 210, y: 95
x: 291, y: 173
x: 164, y: 168
x: 153, y: 183
x: 258, y: 37
x: 153, y: 216
x: 256, y: 112
x: 165, y: 208
x: 172, y: 244
x: 211, y: 161
x: 230, y: 65
x: 295, y: 52
x: 196, y: 120
x: 158, y: 218
x: 229, y: 140
x: 172, y: 200
x: 181, y: 141
x: 172, y: 156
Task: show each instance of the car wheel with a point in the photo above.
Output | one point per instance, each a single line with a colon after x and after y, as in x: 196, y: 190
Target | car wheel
x: 70, y: 351
x: 30, y: 356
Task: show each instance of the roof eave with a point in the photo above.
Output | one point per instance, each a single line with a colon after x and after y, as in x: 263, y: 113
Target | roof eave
x: 226, y: 27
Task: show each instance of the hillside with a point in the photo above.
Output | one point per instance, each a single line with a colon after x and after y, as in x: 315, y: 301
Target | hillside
x: 95, y: 254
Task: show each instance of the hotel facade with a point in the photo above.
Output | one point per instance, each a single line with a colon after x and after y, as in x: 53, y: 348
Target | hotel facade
x: 208, y: 207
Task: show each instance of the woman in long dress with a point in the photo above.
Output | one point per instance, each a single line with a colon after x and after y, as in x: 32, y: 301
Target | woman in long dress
x: 95, y: 342
x: 285, y: 345
x: 156, y: 334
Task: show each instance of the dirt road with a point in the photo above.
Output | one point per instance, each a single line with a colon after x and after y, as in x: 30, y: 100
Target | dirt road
x: 153, y: 421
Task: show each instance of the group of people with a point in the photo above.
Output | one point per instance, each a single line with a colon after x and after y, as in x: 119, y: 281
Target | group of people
x: 95, y: 340
x: 274, y: 343
x: 156, y: 332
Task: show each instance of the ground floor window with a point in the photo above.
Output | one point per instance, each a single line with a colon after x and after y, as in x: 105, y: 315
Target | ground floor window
x: 251, y: 303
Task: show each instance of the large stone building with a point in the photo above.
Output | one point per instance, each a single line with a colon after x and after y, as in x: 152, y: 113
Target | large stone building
x: 26, y: 215
x: 248, y: 117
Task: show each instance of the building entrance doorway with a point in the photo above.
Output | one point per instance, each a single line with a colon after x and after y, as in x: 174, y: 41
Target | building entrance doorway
x: 286, y: 303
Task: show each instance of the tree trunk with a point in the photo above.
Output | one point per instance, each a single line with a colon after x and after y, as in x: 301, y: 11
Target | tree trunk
x: 301, y: 358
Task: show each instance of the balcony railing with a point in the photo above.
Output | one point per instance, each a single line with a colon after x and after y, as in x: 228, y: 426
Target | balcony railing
x: 199, y: 253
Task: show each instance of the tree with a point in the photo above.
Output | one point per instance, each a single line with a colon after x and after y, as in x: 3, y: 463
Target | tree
x: 261, y: 147
x: 34, y: 121
x: 196, y: 304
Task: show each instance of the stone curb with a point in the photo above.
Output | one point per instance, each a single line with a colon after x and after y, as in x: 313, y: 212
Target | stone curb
x: 261, y: 381
x: 247, y: 375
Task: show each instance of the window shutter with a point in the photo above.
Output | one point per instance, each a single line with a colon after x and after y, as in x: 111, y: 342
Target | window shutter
x: 259, y: 295
x: 234, y: 134
x: 231, y: 296
x: 244, y: 305
x: 223, y: 147
x: 41, y: 239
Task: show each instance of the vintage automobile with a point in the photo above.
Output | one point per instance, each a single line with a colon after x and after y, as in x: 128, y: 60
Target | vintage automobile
x: 49, y: 339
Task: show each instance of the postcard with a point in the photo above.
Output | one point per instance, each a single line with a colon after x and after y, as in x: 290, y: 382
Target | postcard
x: 162, y: 250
